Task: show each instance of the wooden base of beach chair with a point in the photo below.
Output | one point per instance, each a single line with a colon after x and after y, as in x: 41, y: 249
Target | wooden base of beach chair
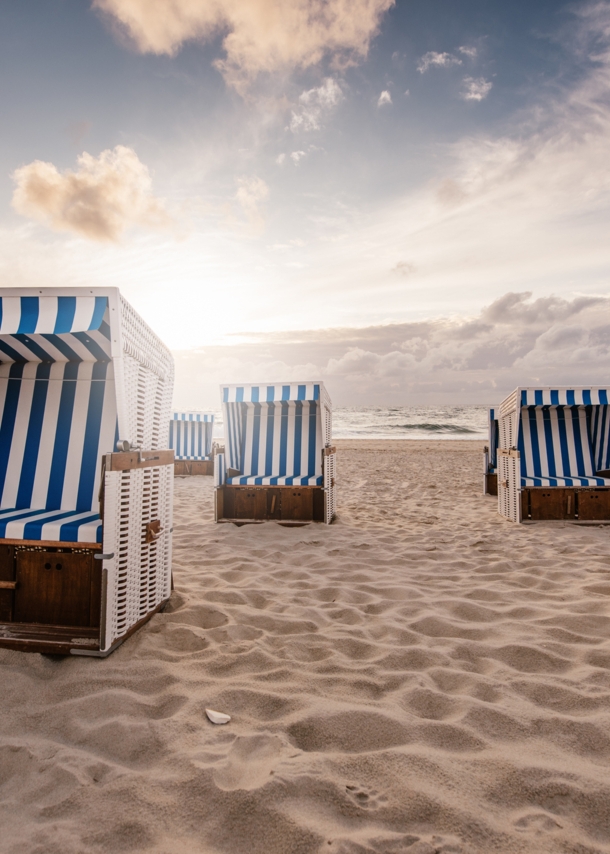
x: 264, y: 503
x: 568, y: 503
x: 491, y: 484
x: 192, y: 467
x: 51, y: 597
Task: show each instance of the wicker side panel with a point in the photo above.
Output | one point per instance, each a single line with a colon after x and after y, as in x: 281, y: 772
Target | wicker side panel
x: 507, y: 431
x: 509, y: 480
x: 146, y: 368
x: 330, y: 469
x: 139, y: 574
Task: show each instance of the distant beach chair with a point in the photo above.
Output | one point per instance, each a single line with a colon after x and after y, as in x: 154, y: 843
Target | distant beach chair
x: 554, y: 454
x: 490, y: 457
x: 190, y: 437
x: 278, y: 462
x: 85, y: 475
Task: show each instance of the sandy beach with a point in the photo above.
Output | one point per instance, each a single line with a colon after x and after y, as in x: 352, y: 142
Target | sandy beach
x: 421, y: 676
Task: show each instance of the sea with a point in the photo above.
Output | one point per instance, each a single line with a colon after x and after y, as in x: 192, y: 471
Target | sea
x: 402, y: 422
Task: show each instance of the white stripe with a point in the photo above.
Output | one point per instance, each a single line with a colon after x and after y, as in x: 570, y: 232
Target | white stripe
x: 77, y: 437
x: 13, y: 471
x: 47, y: 441
x: 11, y: 315
x: 47, y: 314
x: 85, y: 307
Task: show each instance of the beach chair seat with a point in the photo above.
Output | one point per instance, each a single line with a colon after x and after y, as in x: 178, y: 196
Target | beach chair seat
x: 85, y: 472
x: 278, y: 439
x: 61, y: 526
x: 553, y: 454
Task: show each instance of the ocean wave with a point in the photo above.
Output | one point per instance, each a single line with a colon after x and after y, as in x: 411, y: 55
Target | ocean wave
x: 433, y: 428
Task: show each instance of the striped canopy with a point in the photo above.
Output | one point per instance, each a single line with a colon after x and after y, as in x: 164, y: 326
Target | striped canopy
x: 270, y: 393
x: 54, y: 329
x: 190, y: 435
x: 549, y: 396
x: 493, y: 439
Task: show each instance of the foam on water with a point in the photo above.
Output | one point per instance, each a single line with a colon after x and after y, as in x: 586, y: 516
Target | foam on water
x: 402, y: 422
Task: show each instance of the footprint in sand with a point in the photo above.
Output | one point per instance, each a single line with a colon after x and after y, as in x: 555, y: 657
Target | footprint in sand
x: 250, y: 763
x: 366, y: 799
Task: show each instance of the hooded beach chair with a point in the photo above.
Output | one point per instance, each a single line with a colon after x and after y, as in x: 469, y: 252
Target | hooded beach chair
x: 278, y: 461
x: 554, y: 454
x: 85, y: 474
x: 490, y: 457
x: 190, y: 437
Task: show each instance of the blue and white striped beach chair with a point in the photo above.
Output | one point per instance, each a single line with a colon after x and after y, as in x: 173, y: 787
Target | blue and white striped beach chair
x: 190, y: 437
x: 553, y: 454
x: 85, y: 542
x: 490, y: 456
x: 278, y: 461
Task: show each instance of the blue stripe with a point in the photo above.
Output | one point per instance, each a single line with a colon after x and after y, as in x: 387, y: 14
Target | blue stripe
x: 548, y: 436
x: 316, y: 392
x: 554, y: 398
x: 570, y: 398
x: 34, y: 348
x: 104, y: 329
x: 270, y: 393
x: 580, y: 461
x: 563, y: 440
x: 301, y: 392
x: 270, y: 431
x: 68, y: 533
x: 98, y: 312
x: 13, y: 355
x: 254, y: 394
x: 89, y: 460
x: 524, y: 398
x: 30, y: 308
x: 66, y: 309
x: 9, y: 414
x: 34, y: 432
x: 534, y: 440
x: 283, y: 440
x: 586, y: 397
x: 311, y: 467
x: 225, y: 395
x: 538, y: 400
x: 256, y: 436
x: 285, y: 392
x: 239, y: 394
x: 603, y: 397
x: 298, y: 436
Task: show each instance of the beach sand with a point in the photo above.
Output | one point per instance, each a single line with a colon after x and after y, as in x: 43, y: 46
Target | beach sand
x: 422, y: 676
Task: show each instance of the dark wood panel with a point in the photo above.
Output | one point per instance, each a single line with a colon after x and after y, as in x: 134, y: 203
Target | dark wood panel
x: 125, y: 461
x: 54, y: 588
x: 318, y: 504
x: 274, y: 503
x: 492, y: 484
x: 297, y: 504
x: 593, y: 504
x: 554, y: 503
x: 250, y: 503
x: 7, y: 573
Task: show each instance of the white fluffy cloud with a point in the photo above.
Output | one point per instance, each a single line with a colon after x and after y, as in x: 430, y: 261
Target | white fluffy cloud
x: 384, y: 98
x: 515, y: 340
x: 314, y: 104
x: 103, y: 197
x: 476, y: 89
x: 433, y: 59
x: 259, y: 35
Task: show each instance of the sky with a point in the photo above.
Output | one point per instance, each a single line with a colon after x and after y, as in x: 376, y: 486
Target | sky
x: 407, y: 200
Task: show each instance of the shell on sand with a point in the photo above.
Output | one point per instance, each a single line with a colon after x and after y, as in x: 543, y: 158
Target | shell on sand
x: 217, y: 717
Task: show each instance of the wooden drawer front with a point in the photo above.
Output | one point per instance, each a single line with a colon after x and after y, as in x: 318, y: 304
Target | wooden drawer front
x: 297, y: 504
x: 250, y: 503
x: 56, y: 589
x: 553, y: 503
x: 593, y: 504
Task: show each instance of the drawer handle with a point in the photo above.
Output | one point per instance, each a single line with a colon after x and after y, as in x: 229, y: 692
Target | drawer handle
x: 8, y: 585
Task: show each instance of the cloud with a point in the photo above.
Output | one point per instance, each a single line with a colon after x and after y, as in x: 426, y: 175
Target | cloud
x: 475, y: 89
x: 251, y: 192
x: 470, y: 52
x: 439, y: 60
x: 314, y: 105
x: 100, y: 200
x: 295, y: 156
x: 384, y: 98
x: 513, y: 341
x: 258, y: 35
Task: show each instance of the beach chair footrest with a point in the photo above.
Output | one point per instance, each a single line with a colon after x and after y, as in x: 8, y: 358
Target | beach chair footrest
x: 569, y: 503
x: 264, y: 503
x: 193, y: 467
